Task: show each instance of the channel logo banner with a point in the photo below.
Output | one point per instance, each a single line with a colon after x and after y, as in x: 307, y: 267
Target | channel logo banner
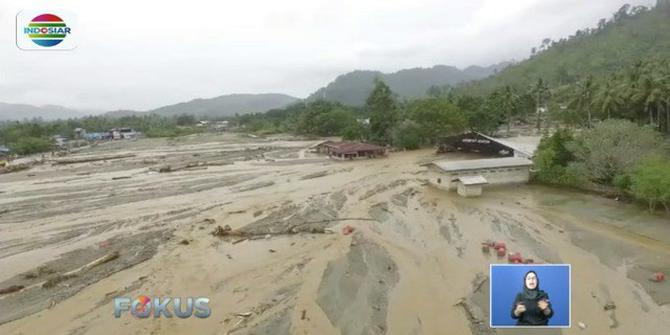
x: 46, y: 30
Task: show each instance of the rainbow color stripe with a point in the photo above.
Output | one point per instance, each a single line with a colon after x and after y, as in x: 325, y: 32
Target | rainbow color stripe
x: 47, y: 30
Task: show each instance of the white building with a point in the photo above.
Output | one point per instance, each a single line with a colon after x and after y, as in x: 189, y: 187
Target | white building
x: 447, y: 175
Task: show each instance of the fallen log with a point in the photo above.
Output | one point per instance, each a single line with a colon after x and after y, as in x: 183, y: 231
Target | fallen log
x: 90, y: 159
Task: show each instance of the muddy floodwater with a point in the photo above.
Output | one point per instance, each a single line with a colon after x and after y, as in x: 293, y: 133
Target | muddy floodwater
x: 262, y: 226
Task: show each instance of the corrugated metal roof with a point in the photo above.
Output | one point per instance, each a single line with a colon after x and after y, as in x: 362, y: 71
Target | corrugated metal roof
x: 472, y: 180
x: 346, y: 148
x: 526, y: 148
x: 474, y: 164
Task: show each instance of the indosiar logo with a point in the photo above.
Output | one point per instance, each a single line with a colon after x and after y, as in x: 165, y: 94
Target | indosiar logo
x: 37, y: 30
x: 143, y: 307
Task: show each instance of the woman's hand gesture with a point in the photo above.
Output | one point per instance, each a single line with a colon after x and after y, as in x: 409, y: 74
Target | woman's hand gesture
x: 520, y: 308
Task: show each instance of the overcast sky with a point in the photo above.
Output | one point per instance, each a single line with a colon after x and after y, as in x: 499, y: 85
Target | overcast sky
x: 141, y: 54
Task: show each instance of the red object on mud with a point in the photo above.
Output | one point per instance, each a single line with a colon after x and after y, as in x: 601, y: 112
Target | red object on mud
x: 499, y: 244
x: 659, y: 277
x: 515, y: 258
x: 346, y: 230
x: 501, y: 252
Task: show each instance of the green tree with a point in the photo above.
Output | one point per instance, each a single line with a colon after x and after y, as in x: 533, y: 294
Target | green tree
x: 583, y: 99
x: 383, y: 114
x: 613, y: 147
x: 436, y: 117
x: 541, y: 91
x: 650, y: 181
x: 553, y: 157
x: 407, y: 135
x: 508, y: 99
x: 608, y: 98
x: 185, y: 120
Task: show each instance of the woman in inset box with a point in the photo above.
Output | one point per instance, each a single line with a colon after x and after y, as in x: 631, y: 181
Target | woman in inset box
x: 531, y: 306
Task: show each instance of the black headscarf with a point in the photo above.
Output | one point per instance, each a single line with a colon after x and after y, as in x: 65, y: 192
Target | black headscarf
x: 528, y: 293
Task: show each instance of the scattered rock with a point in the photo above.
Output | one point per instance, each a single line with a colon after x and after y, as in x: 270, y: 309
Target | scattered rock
x: 184, y: 242
x: 209, y: 221
x: 222, y: 231
x: 609, y: 306
x: 272, y: 250
x: 581, y: 325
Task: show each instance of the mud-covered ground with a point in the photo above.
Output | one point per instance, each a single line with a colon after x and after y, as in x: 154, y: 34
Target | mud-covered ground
x: 75, y: 235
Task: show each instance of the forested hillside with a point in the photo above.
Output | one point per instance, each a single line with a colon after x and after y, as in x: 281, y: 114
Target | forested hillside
x: 631, y: 34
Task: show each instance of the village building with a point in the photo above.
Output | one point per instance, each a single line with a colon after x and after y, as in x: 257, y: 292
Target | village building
x: 476, y: 142
x: 495, y: 162
x: 446, y: 174
x: 349, y: 150
x: 4, y: 152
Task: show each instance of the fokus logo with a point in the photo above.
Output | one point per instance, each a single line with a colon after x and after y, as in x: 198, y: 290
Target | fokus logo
x: 45, y: 30
x: 144, y: 307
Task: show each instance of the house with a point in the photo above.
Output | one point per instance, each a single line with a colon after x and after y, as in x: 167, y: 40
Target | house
x: 4, y: 151
x: 123, y: 134
x: 349, y: 150
x: 79, y: 133
x: 447, y: 175
x: 97, y: 136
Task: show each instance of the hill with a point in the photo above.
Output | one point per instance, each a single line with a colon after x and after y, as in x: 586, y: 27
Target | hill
x: 228, y: 105
x: 353, y: 88
x: 46, y: 112
x: 631, y: 34
x: 123, y: 113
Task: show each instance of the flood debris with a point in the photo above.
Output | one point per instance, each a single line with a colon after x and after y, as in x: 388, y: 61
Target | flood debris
x: 347, y: 230
x: 68, y: 274
x: 314, y: 175
x: 658, y: 277
x: 91, y: 159
x: 222, y: 231
x: 11, y: 289
x: 14, y: 168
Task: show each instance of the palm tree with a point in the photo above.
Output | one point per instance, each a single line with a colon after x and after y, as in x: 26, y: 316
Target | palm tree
x: 508, y: 100
x: 541, y: 91
x: 650, y: 94
x: 583, y: 100
x: 608, y: 97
